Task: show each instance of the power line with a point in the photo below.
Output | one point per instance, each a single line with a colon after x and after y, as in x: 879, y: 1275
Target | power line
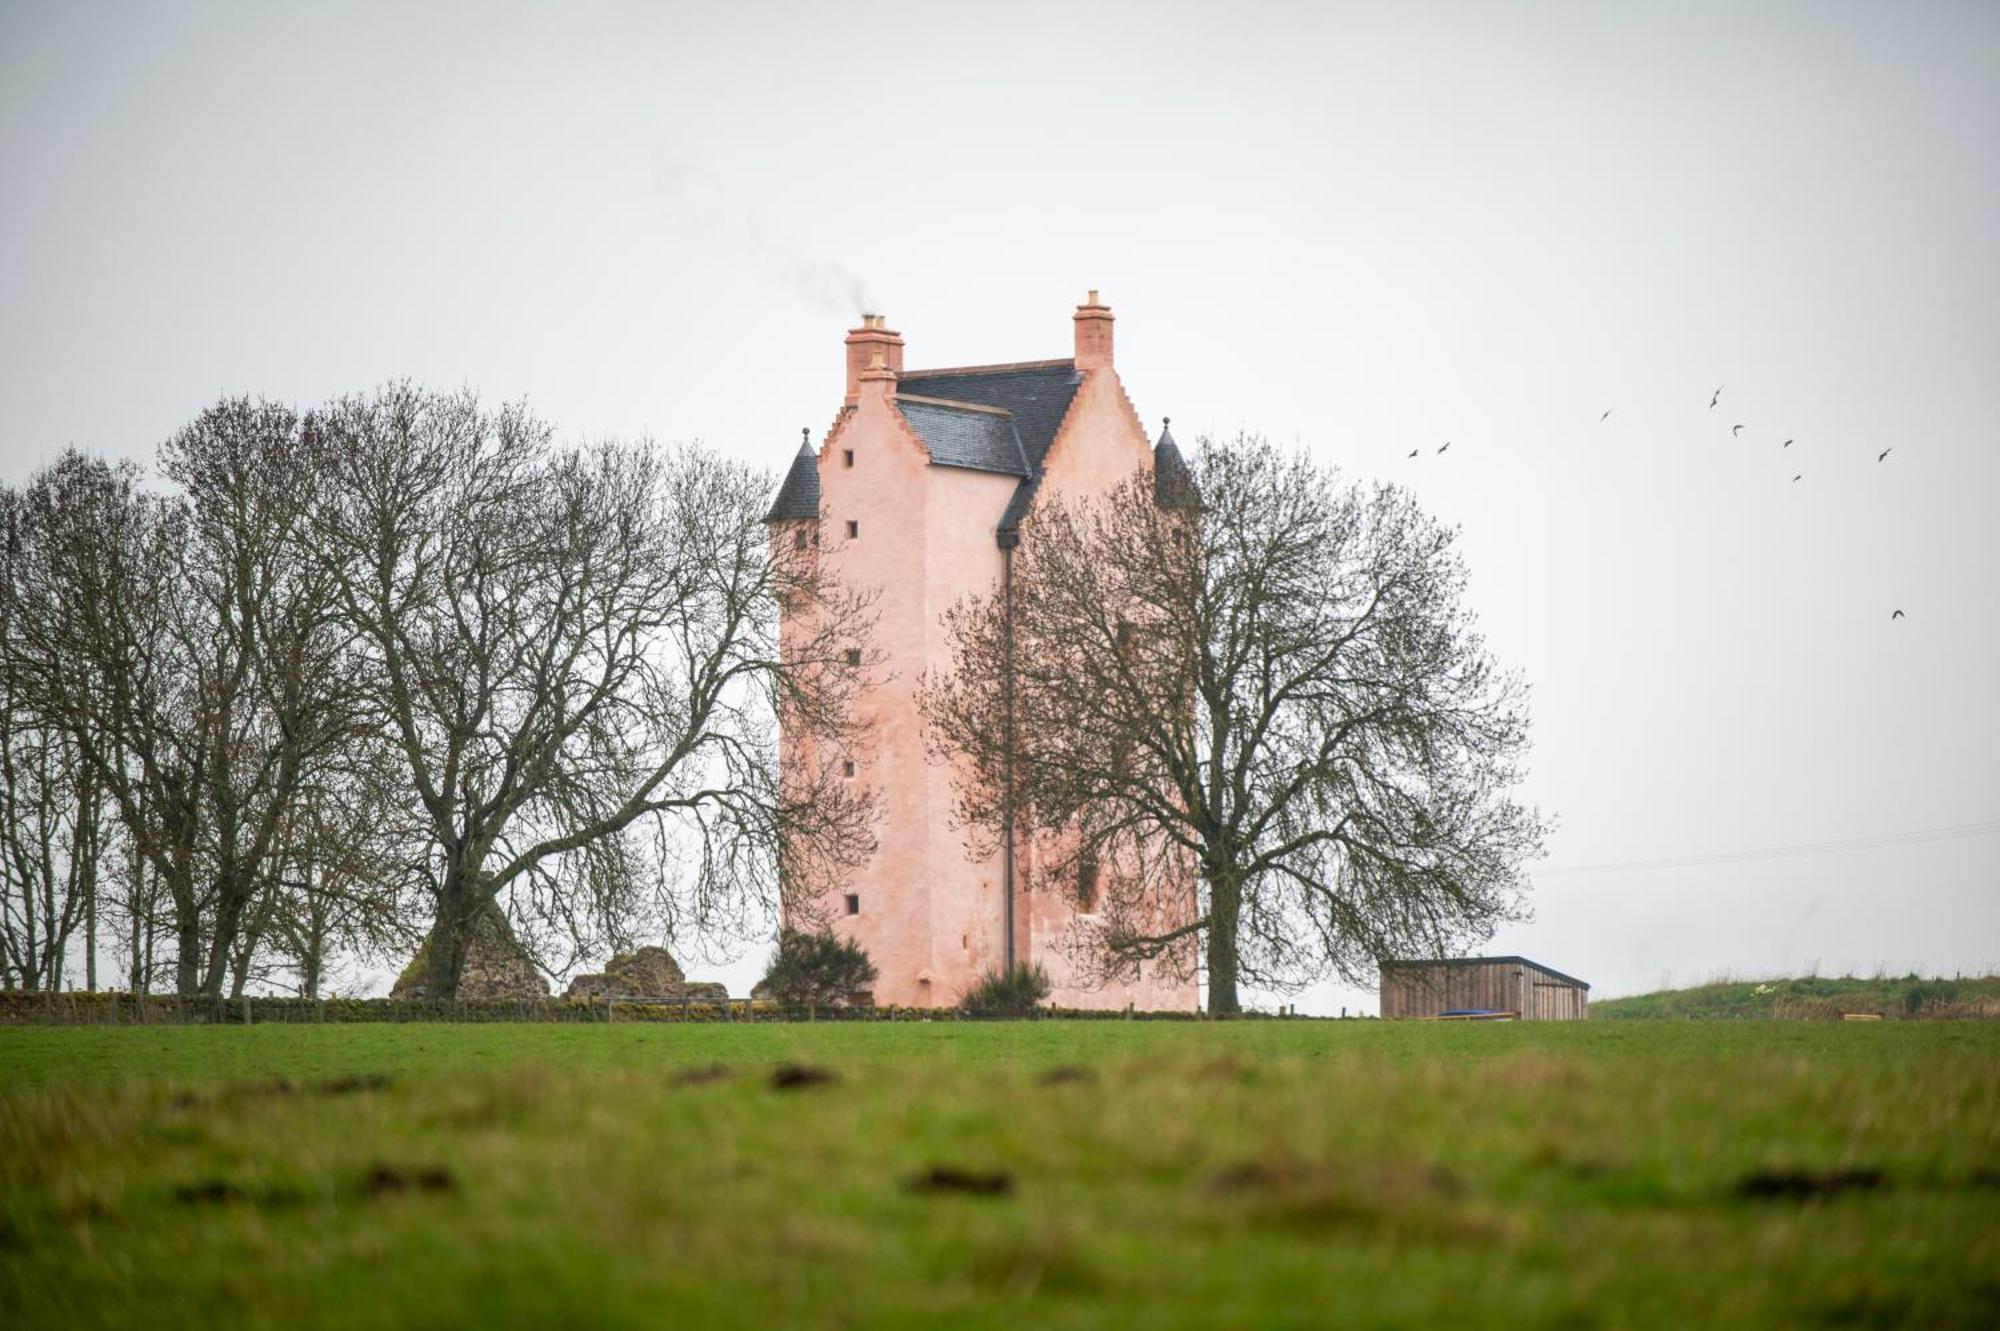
x: 1784, y: 852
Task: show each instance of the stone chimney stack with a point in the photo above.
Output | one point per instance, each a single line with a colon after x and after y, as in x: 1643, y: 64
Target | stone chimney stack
x: 1093, y: 334
x: 873, y: 344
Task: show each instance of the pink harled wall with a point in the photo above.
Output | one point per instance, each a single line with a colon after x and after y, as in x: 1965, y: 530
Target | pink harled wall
x: 932, y: 913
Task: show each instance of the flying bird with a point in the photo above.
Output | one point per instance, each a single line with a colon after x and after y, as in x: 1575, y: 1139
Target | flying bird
x: 1796, y: 479
x: 1606, y: 416
x: 1413, y: 452
x: 1788, y: 443
x: 1736, y: 431
x: 1898, y: 615
x: 1447, y: 444
x: 1884, y: 453
x: 1717, y: 396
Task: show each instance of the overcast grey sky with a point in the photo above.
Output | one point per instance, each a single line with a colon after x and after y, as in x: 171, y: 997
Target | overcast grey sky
x: 1371, y: 228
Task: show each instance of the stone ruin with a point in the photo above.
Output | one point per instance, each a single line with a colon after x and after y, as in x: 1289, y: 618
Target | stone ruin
x: 647, y: 974
x: 496, y: 965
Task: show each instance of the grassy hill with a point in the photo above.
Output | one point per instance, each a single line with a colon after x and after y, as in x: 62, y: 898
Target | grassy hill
x: 1815, y: 997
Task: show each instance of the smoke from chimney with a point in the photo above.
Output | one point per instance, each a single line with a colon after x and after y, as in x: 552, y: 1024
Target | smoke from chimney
x: 826, y: 285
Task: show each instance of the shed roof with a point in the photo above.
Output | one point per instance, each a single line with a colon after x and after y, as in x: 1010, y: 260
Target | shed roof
x: 1485, y: 961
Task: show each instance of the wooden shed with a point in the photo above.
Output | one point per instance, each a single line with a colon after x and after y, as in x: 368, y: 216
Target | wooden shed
x: 1482, y: 986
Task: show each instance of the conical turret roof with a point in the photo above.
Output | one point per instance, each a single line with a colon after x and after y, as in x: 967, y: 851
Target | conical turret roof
x: 798, y: 497
x: 1173, y: 480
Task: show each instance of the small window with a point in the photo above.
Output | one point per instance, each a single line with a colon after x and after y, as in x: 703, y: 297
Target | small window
x: 847, y: 767
x: 1086, y: 880
x: 854, y: 656
x: 853, y: 904
x: 799, y: 539
x: 846, y: 457
x: 853, y: 529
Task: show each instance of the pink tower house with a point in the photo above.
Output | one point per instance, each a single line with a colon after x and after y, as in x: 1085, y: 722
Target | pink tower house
x: 919, y: 492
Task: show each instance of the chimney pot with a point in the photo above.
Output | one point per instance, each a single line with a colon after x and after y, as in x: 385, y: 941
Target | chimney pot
x: 872, y: 349
x: 1093, y: 334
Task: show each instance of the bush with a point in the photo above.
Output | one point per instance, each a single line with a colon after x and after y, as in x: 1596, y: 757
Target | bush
x: 1926, y: 995
x: 817, y: 970
x: 1013, y: 993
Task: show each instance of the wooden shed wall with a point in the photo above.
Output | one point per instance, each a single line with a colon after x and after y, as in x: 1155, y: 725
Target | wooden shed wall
x: 1555, y: 1000
x: 1414, y: 989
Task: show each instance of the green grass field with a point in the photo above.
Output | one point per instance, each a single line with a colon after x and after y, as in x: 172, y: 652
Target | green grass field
x: 1050, y: 1174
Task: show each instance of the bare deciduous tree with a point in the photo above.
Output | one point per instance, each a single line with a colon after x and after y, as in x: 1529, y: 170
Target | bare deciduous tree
x: 573, y: 649
x: 91, y: 608
x: 1262, y: 719
x: 186, y: 643
x: 51, y: 819
x: 269, y: 658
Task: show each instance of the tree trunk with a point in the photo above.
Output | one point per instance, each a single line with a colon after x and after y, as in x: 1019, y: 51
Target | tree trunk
x: 187, y: 949
x: 136, y: 980
x: 89, y: 840
x: 312, y: 949
x: 90, y: 935
x: 232, y: 901
x: 458, y: 906
x: 1225, y: 902
x: 30, y: 969
x: 239, y: 972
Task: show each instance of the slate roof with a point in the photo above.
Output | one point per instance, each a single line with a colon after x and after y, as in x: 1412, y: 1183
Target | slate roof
x: 1031, y: 400
x: 798, y: 497
x: 1036, y: 395
x: 1173, y: 481
x: 960, y: 435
